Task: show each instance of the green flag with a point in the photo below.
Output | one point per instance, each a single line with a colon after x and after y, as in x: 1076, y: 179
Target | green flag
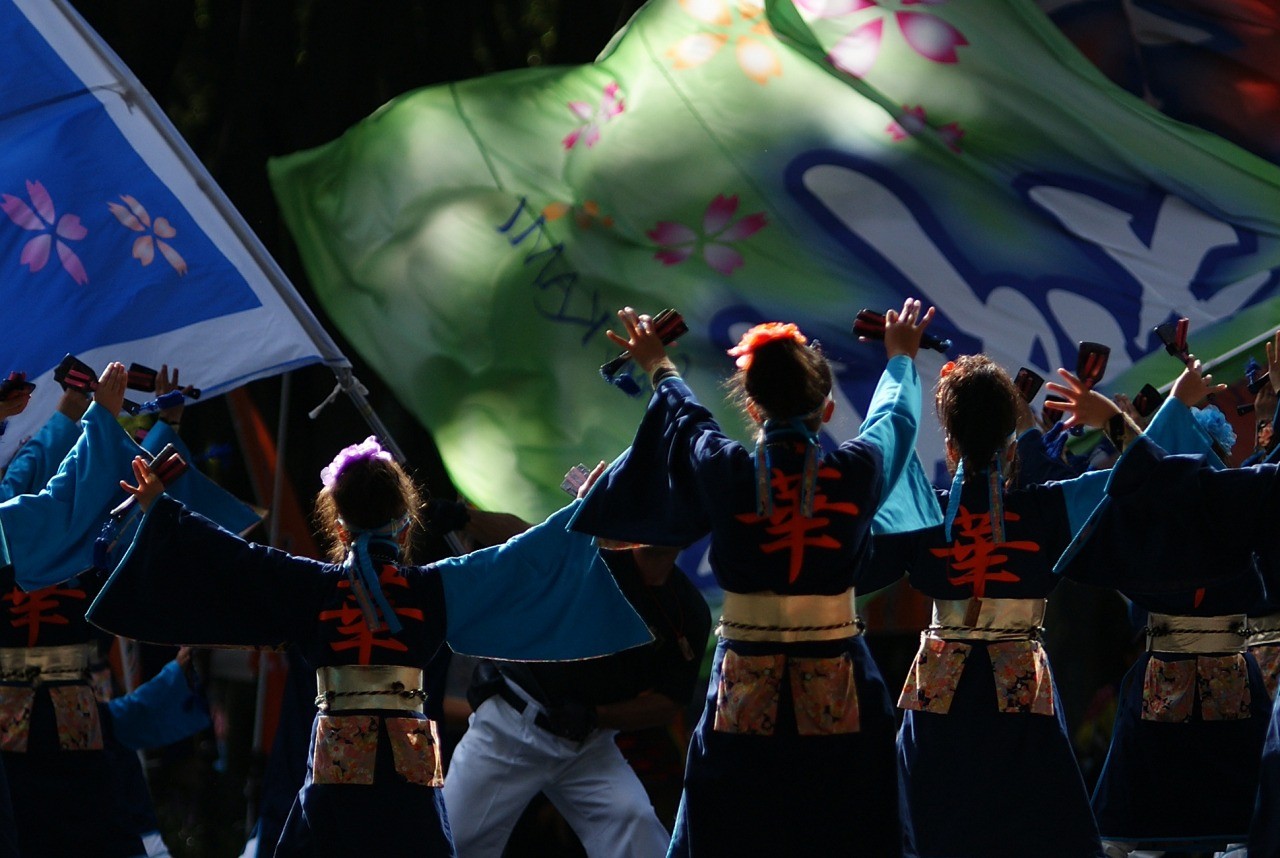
x: 745, y: 162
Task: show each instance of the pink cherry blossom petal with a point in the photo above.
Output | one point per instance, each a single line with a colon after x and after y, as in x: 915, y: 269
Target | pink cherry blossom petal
x: 591, y: 136
x: 722, y: 258
x: 175, y: 259
x: 163, y: 228
x: 126, y: 217
x: 21, y: 214
x: 673, y: 255
x: 833, y: 8
x: 571, y: 138
x: 719, y: 212
x: 35, y: 253
x: 856, y: 52
x: 951, y: 134
x: 582, y: 109
x: 668, y: 232
x: 70, y: 228
x: 40, y: 199
x: 612, y: 104
x: 930, y: 36
x: 144, y: 249
x: 136, y: 207
x: 745, y: 228
x: 72, y: 263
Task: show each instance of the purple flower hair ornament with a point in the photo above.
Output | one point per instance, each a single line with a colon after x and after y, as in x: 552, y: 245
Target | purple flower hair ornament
x: 369, y: 448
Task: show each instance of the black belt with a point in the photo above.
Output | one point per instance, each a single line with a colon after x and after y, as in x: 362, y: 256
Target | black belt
x: 518, y: 703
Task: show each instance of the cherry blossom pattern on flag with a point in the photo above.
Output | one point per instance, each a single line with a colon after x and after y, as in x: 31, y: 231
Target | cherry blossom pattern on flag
x: 585, y: 216
x: 742, y: 23
x: 856, y: 52
x: 914, y: 122
x: 594, y: 117
x: 678, y: 242
x: 41, y: 217
x: 135, y: 217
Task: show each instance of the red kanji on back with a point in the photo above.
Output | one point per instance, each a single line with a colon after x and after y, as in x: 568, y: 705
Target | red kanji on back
x: 795, y: 532
x: 973, y: 556
x: 40, y: 607
x: 351, y: 624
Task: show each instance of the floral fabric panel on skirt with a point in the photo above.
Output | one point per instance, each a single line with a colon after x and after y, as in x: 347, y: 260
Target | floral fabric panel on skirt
x: 747, y: 697
x: 931, y: 681
x: 1023, y: 680
x: 346, y: 748
x: 1169, y: 688
x: 1268, y: 656
x: 414, y: 747
x: 76, y: 711
x: 826, y: 698
x: 15, y: 717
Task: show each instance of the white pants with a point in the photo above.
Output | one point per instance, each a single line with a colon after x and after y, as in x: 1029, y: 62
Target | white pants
x: 505, y: 759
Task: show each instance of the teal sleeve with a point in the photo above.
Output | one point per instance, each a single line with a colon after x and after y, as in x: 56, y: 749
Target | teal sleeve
x: 1175, y: 430
x: 38, y: 459
x: 893, y: 417
x: 161, y: 711
x: 544, y: 595
x: 49, y: 536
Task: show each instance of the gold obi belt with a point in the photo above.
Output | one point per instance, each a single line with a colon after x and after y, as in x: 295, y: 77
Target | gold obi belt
x: 1172, y: 633
x: 987, y: 619
x: 37, y: 664
x: 788, y: 619
x: 343, y: 688
x: 1263, y: 630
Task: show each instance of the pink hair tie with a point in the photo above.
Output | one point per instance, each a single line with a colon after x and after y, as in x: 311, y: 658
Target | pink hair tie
x: 369, y: 448
x: 759, y: 336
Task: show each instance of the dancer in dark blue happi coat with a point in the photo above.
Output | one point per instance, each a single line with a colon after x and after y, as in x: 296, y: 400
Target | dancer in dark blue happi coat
x: 369, y: 626
x: 1178, y: 538
x: 794, y: 750
x: 982, y: 715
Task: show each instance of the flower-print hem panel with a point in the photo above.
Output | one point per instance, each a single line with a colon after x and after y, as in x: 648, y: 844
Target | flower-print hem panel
x: 1223, y: 684
x: 931, y: 681
x: 825, y: 695
x: 346, y: 749
x: 15, y: 717
x: 414, y: 745
x: 747, y: 696
x: 75, y: 709
x: 1024, y: 683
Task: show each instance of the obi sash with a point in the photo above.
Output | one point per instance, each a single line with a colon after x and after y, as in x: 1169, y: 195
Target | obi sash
x: 346, y: 746
x: 1216, y: 675
x: 787, y: 619
x: 63, y: 672
x: 1009, y: 629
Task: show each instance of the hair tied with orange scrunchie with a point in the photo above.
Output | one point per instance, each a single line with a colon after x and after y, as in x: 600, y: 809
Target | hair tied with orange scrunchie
x: 946, y: 369
x: 761, y: 334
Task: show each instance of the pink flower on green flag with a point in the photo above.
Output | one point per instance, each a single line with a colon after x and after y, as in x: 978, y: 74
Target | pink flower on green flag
x: 857, y: 51
x: 611, y: 105
x: 42, y: 219
x: 678, y: 242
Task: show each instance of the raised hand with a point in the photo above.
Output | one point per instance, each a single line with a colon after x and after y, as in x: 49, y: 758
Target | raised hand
x: 111, y: 385
x: 904, y: 328
x: 149, y: 486
x: 167, y: 384
x: 1194, y: 384
x: 1083, y: 406
x: 641, y: 342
